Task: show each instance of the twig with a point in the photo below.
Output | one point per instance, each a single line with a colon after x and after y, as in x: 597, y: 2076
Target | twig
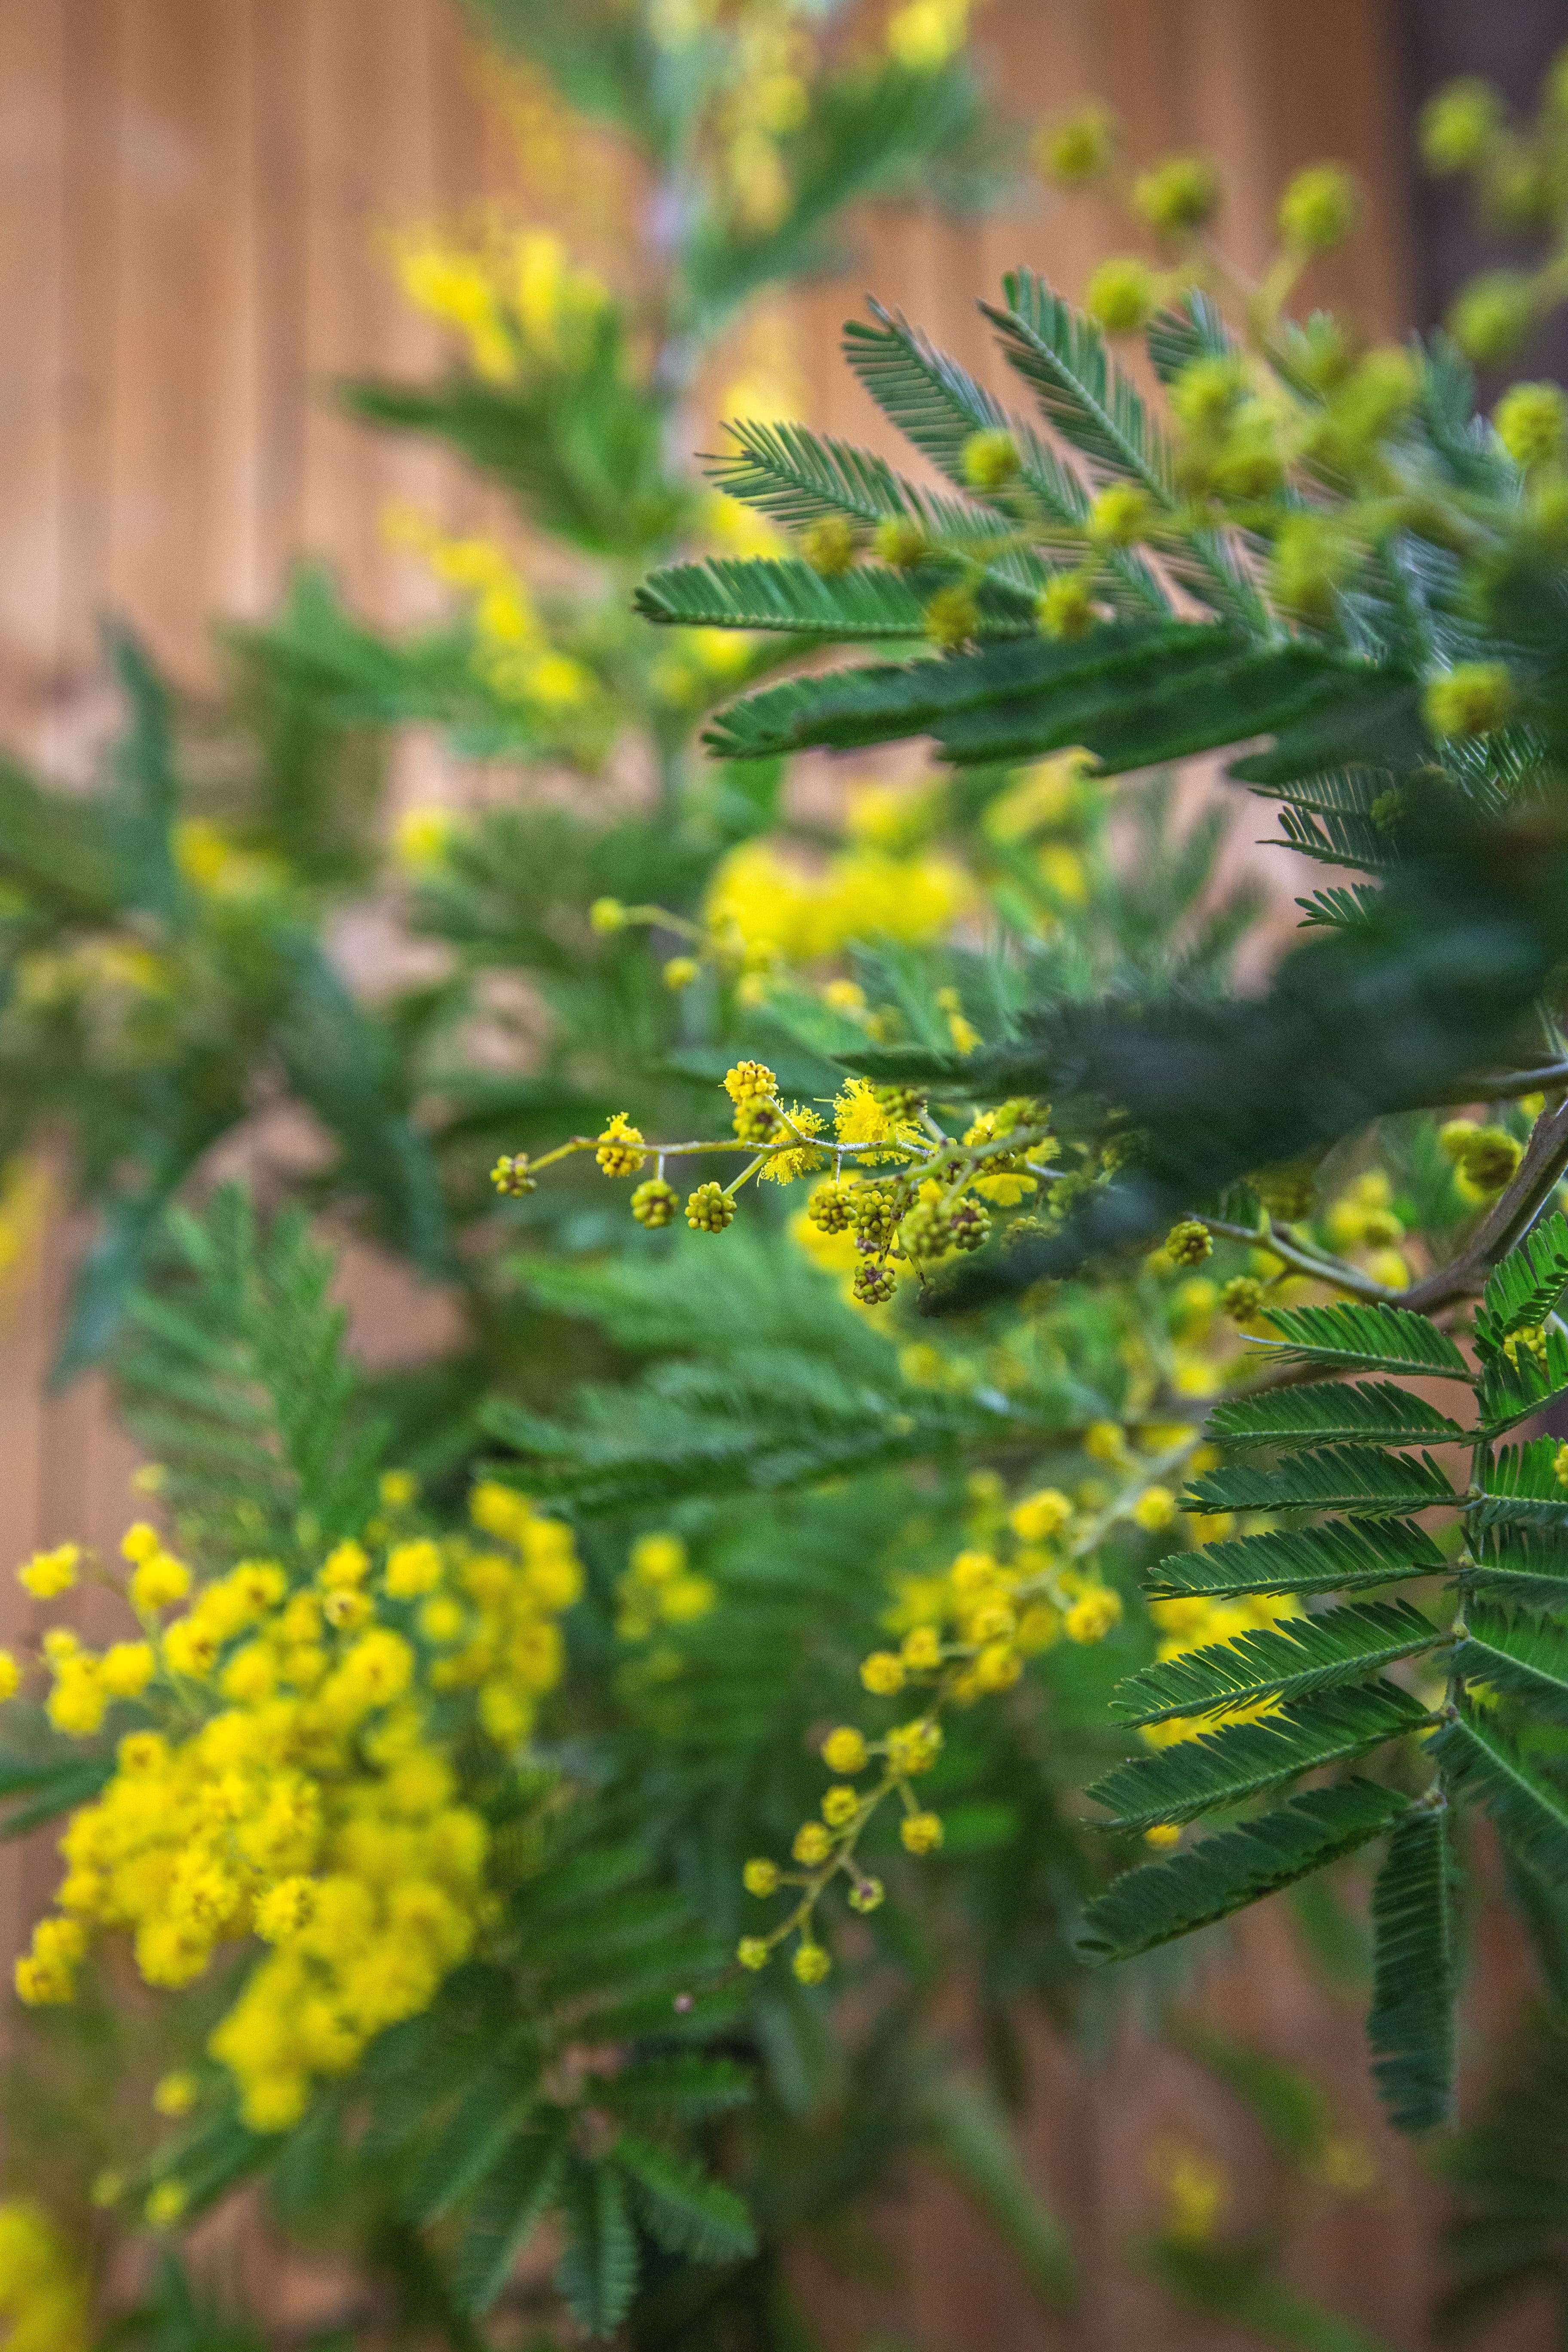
x: 1322, y: 1269
x: 1508, y: 1221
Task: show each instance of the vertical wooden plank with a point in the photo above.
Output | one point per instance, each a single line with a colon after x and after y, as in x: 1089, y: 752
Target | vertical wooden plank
x: 32, y: 168
x: 91, y: 242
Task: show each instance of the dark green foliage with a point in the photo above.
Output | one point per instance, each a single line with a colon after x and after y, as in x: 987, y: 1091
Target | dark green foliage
x: 1376, y: 1337
x: 1134, y: 695
x: 597, y: 2273
x: 764, y: 593
x: 1301, y: 1655
x: 1508, y: 2173
x: 1521, y: 1488
x: 1524, y: 1656
x: 1331, y: 1413
x: 1356, y: 1478
x: 1240, y: 1760
x: 1484, y: 1766
x: 519, y: 2184
x: 1161, y: 1900
x: 1411, y: 2027
x: 236, y: 1377
x: 770, y: 1383
x: 1333, y: 1558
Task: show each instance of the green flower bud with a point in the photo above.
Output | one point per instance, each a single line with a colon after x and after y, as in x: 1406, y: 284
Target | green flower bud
x: 1318, y: 210
x: 1205, y: 394
x: 1178, y: 195
x: 830, y: 546
x: 1532, y: 421
x: 951, y: 618
x: 900, y: 541
x: 1493, y: 315
x: 1119, y: 297
x: 1076, y: 151
x: 1119, y: 515
x: 1065, y: 607
x: 1472, y: 698
x: 1310, y: 561
x: 989, y: 458
x: 1458, y: 124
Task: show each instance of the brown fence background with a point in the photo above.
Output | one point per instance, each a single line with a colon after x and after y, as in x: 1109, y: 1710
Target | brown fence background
x: 190, y: 196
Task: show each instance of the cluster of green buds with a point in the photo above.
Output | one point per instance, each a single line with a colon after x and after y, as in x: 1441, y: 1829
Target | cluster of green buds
x: 1281, y: 410
x: 1520, y: 175
x: 910, y: 1194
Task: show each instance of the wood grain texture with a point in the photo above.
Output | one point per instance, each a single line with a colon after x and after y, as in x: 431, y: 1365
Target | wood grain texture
x: 194, y: 199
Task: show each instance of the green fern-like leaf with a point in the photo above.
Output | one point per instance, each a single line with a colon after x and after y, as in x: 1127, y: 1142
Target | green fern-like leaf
x: 765, y: 592
x: 938, y: 407
x: 684, y: 2208
x: 597, y: 2273
x: 1483, y: 1766
x: 1339, y: 1556
x: 1525, y: 1656
x: 1333, y: 1412
x: 1514, y: 1388
x: 1356, y: 1478
x: 1411, y: 2027
x: 1239, y: 1760
x: 514, y: 2198
x: 1519, y: 1487
x: 1335, y: 837
x: 1161, y: 1900
x: 1366, y: 1337
x: 236, y: 1376
x: 1287, y: 1661
x: 692, y: 2088
x: 1135, y: 695
x: 798, y: 477
x: 1062, y: 356
x: 1521, y: 1563
x: 485, y: 2124
x: 1523, y: 1287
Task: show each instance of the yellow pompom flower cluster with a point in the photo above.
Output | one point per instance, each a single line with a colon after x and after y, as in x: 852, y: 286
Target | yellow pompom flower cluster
x: 287, y: 1780
x: 517, y: 301
x: 44, y: 2288
x: 659, y: 1589
x: 765, y: 913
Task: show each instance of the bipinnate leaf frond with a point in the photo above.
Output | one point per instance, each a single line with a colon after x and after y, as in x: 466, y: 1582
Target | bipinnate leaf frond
x: 1523, y: 1656
x: 1530, y: 1369
x: 798, y: 477
x: 1333, y: 1412
x: 1523, y: 1287
x: 513, y: 2201
x: 1519, y: 1487
x: 1338, y: 1556
x: 597, y: 2273
x: 1134, y: 693
x: 1359, y: 1479
x: 1483, y: 1765
x: 1161, y: 1900
x: 683, y: 2207
x: 1287, y: 1661
x: 1521, y: 1564
x: 1062, y: 356
x: 1411, y: 2027
x: 1240, y: 1760
x: 1366, y: 1337
x: 785, y: 595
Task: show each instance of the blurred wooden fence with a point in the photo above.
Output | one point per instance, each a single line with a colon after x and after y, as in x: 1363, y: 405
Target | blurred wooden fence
x: 190, y: 198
